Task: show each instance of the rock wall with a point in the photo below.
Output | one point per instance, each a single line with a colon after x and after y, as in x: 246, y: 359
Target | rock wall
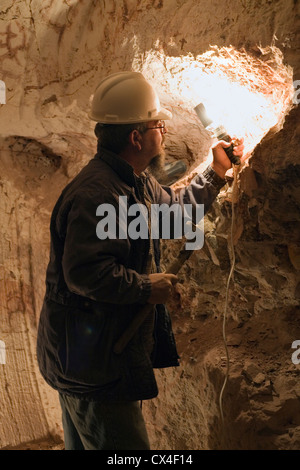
x: 53, y: 53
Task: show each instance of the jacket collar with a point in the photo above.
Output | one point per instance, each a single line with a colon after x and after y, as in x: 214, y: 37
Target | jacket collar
x: 122, y: 168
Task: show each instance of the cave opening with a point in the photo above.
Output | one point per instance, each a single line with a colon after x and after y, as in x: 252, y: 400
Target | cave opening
x: 248, y: 93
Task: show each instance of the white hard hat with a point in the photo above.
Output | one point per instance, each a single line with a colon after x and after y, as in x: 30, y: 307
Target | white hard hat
x: 124, y: 98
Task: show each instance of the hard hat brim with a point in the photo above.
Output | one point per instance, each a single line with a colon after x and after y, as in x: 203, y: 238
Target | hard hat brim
x: 162, y: 115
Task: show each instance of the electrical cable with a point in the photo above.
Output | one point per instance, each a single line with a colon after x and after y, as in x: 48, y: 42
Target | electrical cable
x: 227, y: 293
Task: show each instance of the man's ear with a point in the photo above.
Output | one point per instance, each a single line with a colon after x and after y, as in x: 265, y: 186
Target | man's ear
x: 135, y: 139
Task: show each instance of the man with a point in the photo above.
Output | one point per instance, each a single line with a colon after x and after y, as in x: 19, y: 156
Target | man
x: 95, y: 286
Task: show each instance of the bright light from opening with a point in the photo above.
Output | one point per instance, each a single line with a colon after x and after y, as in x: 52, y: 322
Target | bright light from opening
x: 245, y: 94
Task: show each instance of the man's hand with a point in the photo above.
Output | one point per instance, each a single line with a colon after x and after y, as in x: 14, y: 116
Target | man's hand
x: 161, y: 287
x: 221, y: 162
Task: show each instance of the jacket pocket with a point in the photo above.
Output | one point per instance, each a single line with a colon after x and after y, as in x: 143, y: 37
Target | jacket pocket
x: 86, y: 354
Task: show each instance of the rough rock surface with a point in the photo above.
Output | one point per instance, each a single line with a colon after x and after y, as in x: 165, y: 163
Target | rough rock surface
x: 53, y: 54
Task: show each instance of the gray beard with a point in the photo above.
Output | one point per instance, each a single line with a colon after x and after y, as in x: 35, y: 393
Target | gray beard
x: 157, y: 166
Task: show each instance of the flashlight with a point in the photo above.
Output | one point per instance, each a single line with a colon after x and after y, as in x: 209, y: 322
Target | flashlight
x: 173, y: 171
x: 219, y: 132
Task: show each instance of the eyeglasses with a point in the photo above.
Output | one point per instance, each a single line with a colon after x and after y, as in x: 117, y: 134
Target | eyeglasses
x: 162, y: 126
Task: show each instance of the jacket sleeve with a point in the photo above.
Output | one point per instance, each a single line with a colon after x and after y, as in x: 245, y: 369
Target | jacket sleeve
x: 203, y: 189
x: 95, y: 268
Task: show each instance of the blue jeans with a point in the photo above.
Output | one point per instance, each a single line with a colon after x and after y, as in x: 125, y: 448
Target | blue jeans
x: 95, y: 425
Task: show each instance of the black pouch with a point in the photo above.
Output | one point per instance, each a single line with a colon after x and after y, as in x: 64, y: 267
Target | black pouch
x: 165, y: 351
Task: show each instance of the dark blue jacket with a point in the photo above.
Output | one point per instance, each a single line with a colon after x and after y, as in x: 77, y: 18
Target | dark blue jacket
x: 95, y: 287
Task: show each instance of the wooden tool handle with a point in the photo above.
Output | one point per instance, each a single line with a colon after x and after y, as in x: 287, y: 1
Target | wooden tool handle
x: 139, y: 318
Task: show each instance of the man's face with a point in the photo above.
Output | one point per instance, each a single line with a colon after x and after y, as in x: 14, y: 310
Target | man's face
x: 154, y: 145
